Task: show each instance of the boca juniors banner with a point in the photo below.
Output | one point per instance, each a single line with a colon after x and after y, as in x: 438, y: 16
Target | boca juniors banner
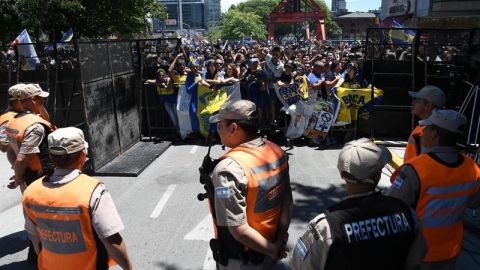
x: 210, y: 100
x: 294, y: 92
x: 313, y: 118
x: 355, y: 103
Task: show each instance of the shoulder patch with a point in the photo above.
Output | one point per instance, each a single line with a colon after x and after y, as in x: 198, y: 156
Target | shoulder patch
x: 301, y: 249
x: 222, y: 193
x: 398, y: 182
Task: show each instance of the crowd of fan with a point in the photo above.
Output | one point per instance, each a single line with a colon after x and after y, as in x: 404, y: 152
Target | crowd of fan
x: 259, y: 68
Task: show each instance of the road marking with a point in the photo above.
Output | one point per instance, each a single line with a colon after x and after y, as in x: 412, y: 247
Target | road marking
x: 203, y: 231
x: 194, y: 149
x: 158, y: 209
x: 209, y: 262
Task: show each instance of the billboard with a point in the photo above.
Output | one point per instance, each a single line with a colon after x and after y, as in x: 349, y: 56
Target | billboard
x: 394, y: 8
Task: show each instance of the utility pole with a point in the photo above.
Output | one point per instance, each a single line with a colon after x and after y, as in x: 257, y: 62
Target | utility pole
x: 180, y: 15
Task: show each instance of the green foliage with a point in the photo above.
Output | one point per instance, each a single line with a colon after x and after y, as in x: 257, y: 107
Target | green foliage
x: 214, y: 33
x: 88, y: 18
x: 236, y: 24
x: 261, y: 8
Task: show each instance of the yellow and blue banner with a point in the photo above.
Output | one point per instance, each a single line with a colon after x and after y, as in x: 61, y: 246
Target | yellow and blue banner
x: 355, y: 103
x: 294, y: 92
x: 400, y: 35
x: 210, y: 100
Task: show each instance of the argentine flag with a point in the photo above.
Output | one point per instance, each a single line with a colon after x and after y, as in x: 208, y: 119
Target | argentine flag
x: 25, y: 50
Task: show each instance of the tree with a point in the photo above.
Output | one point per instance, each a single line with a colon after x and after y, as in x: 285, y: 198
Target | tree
x: 263, y: 8
x: 88, y: 18
x: 236, y: 25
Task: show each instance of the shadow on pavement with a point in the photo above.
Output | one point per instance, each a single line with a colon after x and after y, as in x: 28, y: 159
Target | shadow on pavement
x: 12, y: 244
x: 167, y: 266
x: 314, y: 200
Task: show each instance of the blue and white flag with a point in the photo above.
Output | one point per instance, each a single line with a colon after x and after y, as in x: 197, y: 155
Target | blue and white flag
x: 26, y: 51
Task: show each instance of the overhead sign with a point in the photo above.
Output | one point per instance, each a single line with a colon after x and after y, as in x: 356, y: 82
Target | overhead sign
x: 394, y: 8
x: 171, y: 22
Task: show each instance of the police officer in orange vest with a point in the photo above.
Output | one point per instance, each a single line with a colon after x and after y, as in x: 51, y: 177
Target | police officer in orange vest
x: 423, y: 103
x: 70, y: 216
x: 252, y: 194
x: 367, y: 230
x: 13, y: 109
x: 27, y: 135
x: 440, y: 184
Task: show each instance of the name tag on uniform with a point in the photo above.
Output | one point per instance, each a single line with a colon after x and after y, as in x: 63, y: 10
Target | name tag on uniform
x: 300, y: 249
x: 222, y: 193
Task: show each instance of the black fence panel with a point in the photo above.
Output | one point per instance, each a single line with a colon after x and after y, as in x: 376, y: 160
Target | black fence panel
x: 101, y: 121
x: 94, y: 63
x: 439, y: 57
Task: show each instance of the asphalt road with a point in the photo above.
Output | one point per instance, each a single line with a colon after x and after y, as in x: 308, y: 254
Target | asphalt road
x: 166, y: 226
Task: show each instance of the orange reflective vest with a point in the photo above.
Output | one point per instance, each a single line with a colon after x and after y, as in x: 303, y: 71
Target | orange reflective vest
x: 266, y: 168
x: 414, y: 144
x: 5, y: 118
x: 62, y: 219
x: 444, y: 192
x: 16, y: 128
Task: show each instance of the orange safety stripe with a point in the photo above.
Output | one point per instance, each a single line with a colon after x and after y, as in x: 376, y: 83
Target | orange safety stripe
x: 16, y: 128
x: 414, y: 146
x: 266, y: 168
x: 62, y: 219
x: 444, y: 192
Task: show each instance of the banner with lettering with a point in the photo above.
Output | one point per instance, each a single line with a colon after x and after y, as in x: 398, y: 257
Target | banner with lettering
x: 355, y: 103
x: 210, y: 100
x: 294, y: 92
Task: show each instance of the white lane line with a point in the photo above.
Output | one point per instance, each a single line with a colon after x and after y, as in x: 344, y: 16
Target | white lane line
x: 203, y: 231
x: 194, y: 149
x: 158, y: 209
x: 209, y: 262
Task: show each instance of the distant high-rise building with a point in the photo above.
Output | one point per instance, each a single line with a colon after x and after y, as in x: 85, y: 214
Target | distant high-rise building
x: 196, y: 15
x: 339, y: 7
x: 212, y: 13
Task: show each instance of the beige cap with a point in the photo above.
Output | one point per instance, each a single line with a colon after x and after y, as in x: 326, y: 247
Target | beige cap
x: 24, y: 91
x: 64, y: 141
x: 13, y: 90
x: 236, y: 110
x: 431, y: 94
x: 447, y: 119
x: 362, y: 159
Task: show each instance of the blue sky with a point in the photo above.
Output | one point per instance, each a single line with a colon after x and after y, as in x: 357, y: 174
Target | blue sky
x: 352, y: 5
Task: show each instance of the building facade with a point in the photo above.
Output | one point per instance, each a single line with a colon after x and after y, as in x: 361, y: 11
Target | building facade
x: 339, y: 7
x: 432, y: 13
x: 212, y: 13
x: 196, y: 15
x: 355, y: 24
